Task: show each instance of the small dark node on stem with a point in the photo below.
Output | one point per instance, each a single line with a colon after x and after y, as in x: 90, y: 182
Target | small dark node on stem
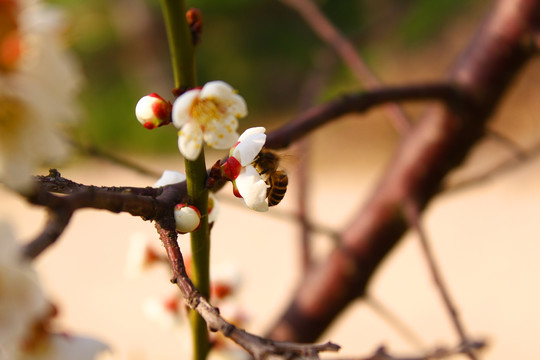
x: 212, y: 329
x: 54, y: 173
x: 214, y: 176
x: 180, y: 90
x: 174, y: 280
x: 195, y: 23
x: 228, y: 329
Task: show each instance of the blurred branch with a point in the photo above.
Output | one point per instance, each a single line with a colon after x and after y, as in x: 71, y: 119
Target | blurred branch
x: 94, y: 151
x: 258, y: 347
x: 394, y: 321
x: 502, y: 168
x: 439, y: 353
x: 314, y: 118
x: 322, y: 26
x: 315, y: 82
x: 412, y: 213
x: 438, y: 143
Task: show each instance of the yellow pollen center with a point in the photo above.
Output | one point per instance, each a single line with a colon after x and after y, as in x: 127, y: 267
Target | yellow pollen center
x: 204, y: 111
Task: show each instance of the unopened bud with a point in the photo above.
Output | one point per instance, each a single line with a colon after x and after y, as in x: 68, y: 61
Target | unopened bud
x: 187, y: 217
x: 153, y: 111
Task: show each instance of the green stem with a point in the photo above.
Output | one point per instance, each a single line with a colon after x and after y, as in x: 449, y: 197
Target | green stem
x: 200, y: 252
x: 180, y: 44
x: 183, y: 62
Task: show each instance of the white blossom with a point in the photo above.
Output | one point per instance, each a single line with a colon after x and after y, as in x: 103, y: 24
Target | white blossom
x: 209, y: 114
x: 140, y: 255
x: 251, y: 186
x: 38, y: 84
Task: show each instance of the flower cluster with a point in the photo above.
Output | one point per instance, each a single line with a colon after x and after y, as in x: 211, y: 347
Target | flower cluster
x: 38, y: 85
x: 210, y: 115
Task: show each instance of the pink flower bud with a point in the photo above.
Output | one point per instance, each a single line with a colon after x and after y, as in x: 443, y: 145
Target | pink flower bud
x: 187, y: 217
x: 153, y: 111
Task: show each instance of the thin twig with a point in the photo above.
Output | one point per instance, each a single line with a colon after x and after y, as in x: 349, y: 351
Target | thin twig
x: 96, y: 152
x: 412, y: 213
x: 316, y: 80
x: 510, y: 144
x: 499, y: 169
x: 322, y: 26
x: 439, y: 353
x: 405, y: 331
x: 260, y: 348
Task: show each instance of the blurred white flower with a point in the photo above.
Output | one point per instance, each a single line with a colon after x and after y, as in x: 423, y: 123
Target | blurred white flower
x: 246, y: 179
x: 66, y: 347
x: 170, y: 177
x: 22, y: 302
x: 38, y: 85
x: 210, y: 114
x: 225, y: 280
x: 140, y: 255
x: 166, y: 312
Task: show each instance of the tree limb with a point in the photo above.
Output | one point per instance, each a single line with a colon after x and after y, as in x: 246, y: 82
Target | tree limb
x: 439, y: 142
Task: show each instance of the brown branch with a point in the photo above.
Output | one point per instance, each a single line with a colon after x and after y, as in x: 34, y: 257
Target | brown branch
x: 258, y: 347
x: 322, y: 26
x: 148, y: 203
x: 438, y: 143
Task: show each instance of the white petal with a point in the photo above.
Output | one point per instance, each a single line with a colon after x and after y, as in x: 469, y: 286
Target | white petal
x: 170, y: 177
x: 246, y: 150
x: 218, y: 91
x: 143, y: 109
x: 221, y: 134
x: 252, y: 188
x: 190, y: 139
x: 251, y: 131
x: 238, y: 107
x: 181, y: 111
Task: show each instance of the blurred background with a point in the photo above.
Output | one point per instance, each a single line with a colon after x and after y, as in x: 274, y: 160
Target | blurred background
x: 485, y: 237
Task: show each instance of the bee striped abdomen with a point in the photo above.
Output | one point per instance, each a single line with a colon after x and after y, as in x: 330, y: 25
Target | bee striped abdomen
x: 277, y: 182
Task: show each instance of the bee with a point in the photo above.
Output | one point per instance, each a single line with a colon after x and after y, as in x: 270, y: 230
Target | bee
x: 267, y: 165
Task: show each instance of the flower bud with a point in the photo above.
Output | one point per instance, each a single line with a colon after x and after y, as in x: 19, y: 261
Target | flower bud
x: 231, y: 168
x: 153, y: 111
x: 187, y: 217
